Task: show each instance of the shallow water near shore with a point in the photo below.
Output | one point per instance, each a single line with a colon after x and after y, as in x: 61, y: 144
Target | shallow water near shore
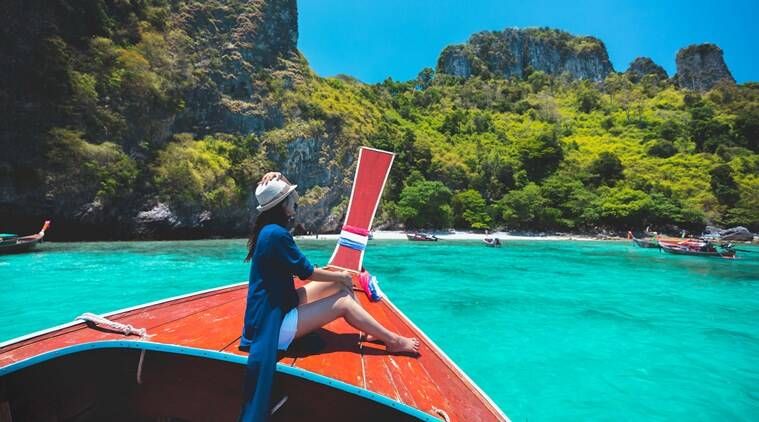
x: 551, y: 330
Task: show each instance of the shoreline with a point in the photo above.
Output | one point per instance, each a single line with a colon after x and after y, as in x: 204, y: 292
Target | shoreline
x: 458, y: 235
x: 464, y: 235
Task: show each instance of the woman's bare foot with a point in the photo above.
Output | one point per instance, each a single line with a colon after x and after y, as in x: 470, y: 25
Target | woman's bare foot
x: 403, y: 345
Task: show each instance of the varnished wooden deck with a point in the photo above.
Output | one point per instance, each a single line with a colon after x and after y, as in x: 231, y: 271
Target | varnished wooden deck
x: 213, y: 320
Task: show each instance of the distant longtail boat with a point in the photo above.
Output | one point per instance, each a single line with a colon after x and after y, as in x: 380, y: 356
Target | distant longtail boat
x: 178, y: 359
x: 421, y: 237
x: 11, y: 243
x: 645, y: 243
x: 696, y: 248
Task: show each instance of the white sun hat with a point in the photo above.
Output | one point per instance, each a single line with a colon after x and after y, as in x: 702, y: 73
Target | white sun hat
x: 272, y: 193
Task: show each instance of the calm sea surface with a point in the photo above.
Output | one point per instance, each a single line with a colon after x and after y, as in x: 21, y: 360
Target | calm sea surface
x: 550, y: 330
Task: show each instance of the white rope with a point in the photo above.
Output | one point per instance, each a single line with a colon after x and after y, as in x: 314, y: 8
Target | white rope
x: 139, y: 367
x: 278, y: 405
x: 441, y: 413
x: 126, y: 329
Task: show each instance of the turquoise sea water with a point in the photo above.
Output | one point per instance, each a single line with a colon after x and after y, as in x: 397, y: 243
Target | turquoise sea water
x: 550, y: 330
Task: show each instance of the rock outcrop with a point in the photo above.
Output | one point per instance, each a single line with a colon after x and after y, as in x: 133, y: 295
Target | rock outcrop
x: 514, y: 52
x: 96, y: 94
x: 643, y: 66
x: 700, y: 67
x: 189, y: 66
x: 241, y: 46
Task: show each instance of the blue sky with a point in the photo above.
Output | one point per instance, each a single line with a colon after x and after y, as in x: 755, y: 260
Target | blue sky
x: 372, y: 40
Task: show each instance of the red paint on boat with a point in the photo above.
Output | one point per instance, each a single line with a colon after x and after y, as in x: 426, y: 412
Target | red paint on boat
x: 372, y: 170
x: 212, y: 320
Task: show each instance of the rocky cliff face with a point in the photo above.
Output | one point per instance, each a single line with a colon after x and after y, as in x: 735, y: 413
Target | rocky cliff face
x: 123, y: 78
x: 643, y: 66
x: 513, y: 52
x: 240, y: 46
x: 700, y: 67
x: 93, y: 92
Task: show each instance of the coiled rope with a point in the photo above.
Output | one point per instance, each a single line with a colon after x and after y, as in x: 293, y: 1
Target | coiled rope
x: 126, y: 329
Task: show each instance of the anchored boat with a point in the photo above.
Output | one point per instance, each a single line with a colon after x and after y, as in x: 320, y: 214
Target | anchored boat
x: 11, y: 243
x: 421, y: 237
x: 178, y: 359
x: 645, y: 243
x: 492, y: 242
x: 696, y: 248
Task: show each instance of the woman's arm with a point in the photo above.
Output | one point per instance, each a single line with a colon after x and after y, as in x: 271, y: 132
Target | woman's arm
x: 321, y: 274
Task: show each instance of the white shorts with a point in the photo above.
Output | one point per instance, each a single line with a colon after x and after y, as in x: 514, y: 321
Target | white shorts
x: 288, y: 329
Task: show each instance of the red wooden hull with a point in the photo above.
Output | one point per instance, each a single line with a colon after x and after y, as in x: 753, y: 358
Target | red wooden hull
x: 212, y: 321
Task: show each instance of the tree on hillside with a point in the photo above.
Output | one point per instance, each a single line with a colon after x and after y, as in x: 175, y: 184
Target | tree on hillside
x: 469, y: 210
x: 615, y: 83
x: 670, y: 130
x: 410, y: 155
x: 588, y: 98
x: 724, y: 186
x: 541, y: 155
x: 195, y: 174
x: 606, y: 169
x: 631, y: 100
x: 528, y: 208
x: 747, y: 127
x: 424, y: 78
x: 453, y: 121
x: 662, y: 149
x: 425, y: 204
x: 538, y: 80
x: 622, y: 206
x: 96, y: 173
x: 706, y: 130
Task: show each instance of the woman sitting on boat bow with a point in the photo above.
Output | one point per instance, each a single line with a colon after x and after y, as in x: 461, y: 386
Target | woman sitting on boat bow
x: 276, y: 313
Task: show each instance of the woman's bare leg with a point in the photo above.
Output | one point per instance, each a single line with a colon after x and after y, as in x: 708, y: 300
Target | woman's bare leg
x: 314, y: 315
x: 315, y: 290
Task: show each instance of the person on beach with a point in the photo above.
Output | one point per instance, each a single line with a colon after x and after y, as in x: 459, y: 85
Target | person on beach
x: 276, y: 312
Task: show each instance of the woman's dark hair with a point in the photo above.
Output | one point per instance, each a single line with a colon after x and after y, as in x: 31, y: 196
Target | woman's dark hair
x: 276, y: 215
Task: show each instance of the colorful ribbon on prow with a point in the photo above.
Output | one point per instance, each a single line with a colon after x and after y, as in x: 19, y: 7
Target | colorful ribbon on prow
x: 353, y: 237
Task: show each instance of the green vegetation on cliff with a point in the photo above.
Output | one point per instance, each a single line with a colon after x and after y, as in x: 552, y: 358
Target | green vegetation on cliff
x: 549, y: 153
x: 127, y: 103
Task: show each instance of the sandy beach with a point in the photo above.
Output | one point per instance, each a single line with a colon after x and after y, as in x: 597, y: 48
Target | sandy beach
x: 462, y: 235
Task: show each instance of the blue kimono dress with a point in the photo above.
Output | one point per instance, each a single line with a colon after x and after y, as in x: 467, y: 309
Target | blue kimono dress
x: 271, y: 294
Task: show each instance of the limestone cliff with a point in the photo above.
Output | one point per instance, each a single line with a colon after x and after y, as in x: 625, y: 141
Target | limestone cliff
x: 643, y: 66
x: 92, y: 90
x: 237, y: 47
x: 700, y: 67
x: 513, y: 52
x: 155, y: 119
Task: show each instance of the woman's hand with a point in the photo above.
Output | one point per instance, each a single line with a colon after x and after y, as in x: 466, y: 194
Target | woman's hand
x: 346, y: 279
x: 268, y: 177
